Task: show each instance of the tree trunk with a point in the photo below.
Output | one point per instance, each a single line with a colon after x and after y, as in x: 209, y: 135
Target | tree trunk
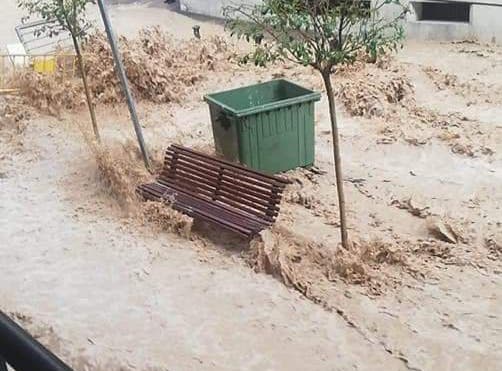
x: 81, y: 67
x: 338, y: 161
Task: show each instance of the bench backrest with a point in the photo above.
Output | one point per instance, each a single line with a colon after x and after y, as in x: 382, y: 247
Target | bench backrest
x: 222, y: 182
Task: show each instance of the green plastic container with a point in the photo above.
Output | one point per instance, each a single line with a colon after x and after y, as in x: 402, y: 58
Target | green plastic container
x: 267, y: 127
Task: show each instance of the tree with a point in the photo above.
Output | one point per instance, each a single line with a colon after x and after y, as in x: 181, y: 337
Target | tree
x: 322, y: 34
x: 60, y: 16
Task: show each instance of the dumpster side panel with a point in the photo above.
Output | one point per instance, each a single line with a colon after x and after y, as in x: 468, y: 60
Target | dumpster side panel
x: 278, y: 140
x: 225, y: 136
x: 267, y: 126
x: 309, y: 133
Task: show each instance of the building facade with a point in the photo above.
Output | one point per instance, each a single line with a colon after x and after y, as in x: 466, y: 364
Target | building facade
x: 428, y: 20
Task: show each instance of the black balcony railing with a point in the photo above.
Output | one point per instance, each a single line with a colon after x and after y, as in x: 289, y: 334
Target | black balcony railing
x: 22, y: 352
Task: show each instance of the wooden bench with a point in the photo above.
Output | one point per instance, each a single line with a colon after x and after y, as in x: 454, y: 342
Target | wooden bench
x: 229, y: 195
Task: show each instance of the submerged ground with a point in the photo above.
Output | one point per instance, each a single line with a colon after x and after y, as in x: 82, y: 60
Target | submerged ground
x: 419, y: 290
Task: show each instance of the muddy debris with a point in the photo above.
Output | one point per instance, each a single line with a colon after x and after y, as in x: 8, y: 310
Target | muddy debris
x: 162, y: 215
x: 369, y: 95
x: 159, y: 69
x: 306, y: 265
x: 434, y: 248
x: 443, y: 230
x: 467, y: 89
x: 494, y: 246
x: 120, y: 172
x: 412, y: 207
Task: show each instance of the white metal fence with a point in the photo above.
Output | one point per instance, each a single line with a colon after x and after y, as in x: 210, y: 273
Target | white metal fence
x: 58, y: 66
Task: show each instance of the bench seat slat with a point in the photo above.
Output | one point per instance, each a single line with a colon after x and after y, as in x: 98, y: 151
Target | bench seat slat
x: 194, y: 207
x: 183, y: 189
x: 163, y: 192
x: 214, y: 174
x: 215, y: 191
x: 231, y: 165
x: 228, y: 178
x: 194, y: 211
x: 239, y: 174
x: 242, y: 200
x: 220, y: 213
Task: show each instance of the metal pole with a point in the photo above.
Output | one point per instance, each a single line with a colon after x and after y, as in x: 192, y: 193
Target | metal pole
x: 21, y: 351
x: 123, y: 80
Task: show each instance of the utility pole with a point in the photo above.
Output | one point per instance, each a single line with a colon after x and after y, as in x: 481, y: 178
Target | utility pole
x: 124, y: 82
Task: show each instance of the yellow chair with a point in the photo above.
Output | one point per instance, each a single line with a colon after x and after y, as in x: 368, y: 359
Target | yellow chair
x: 46, y: 64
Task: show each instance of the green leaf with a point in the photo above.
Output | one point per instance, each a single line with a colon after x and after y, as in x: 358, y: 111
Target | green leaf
x: 321, y: 33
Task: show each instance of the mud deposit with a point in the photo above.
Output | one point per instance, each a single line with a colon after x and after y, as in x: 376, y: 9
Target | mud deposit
x: 109, y: 282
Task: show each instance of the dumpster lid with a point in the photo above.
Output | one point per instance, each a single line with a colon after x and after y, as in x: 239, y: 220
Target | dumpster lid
x: 262, y: 97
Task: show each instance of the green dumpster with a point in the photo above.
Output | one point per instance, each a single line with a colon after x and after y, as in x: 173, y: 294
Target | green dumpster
x: 267, y: 126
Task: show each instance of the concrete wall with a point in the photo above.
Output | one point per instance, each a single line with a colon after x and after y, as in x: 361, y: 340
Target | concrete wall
x: 212, y: 8
x: 485, y: 23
